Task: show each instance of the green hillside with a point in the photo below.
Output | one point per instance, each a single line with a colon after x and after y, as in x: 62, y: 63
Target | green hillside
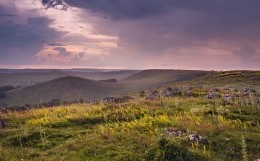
x: 235, y: 79
x: 158, y: 77
x: 178, y: 128
x: 65, y: 88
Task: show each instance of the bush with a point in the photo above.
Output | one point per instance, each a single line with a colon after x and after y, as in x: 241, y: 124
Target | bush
x: 170, y: 151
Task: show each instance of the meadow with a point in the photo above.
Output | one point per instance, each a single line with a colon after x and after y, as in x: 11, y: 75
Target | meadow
x: 168, y: 128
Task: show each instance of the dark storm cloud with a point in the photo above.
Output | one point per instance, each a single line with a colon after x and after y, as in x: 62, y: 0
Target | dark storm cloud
x: 149, y: 27
x: 55, y: 44
x: 147, y: 30
x: 20, y: 42
x: 200, y: 19
x: 62, y: 51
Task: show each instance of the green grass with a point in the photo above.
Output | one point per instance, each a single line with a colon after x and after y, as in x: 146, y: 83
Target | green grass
x: 133, y: 132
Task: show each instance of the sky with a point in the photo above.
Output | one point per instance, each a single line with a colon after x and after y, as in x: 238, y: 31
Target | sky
x: 130, y: 34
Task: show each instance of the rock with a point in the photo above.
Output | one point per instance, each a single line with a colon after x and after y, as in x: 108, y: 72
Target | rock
x: 215, y: 90
x: 195, y: 137
x: 110, y: 100
x: 172, y: 131
x: 95, y: 101
x: 246, y: 90
x: 235, y: 90
x: 167, y: 92
x: 2, y: 124
x: 142, y: 94
x: 210, y: 96
x: 153, y: 95
x: 187, y: 88
x: 254, y: 123
x: 258, y: 102
x: 124, y: 99
x: 235, y: 95
x: 227, y: 97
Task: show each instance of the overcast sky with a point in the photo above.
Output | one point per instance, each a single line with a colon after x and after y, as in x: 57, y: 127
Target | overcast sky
x: 131, y: 34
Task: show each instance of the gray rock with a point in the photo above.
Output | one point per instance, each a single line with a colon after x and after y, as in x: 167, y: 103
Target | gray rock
x: 195, y: 137
x: 210, y: 96
x: 153, y: 95
x: 172, y: 131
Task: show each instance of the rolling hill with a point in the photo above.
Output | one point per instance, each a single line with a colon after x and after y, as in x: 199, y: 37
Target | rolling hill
x: 236, y: 79
x: 158, y: 77
x: 65, y: 88
x: 70, y: 88
x: 75, y: 88
x: 32, y: 77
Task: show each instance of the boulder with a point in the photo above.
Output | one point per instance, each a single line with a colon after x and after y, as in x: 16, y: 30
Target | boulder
x: 195, y: 137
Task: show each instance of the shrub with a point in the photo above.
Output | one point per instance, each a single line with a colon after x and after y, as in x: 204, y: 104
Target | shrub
x: 173, y: 151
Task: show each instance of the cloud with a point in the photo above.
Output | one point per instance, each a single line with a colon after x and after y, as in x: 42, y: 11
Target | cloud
x: 55, y: 44
x: 132, y: 34
x: 248, y: 55
x: 62, y: 51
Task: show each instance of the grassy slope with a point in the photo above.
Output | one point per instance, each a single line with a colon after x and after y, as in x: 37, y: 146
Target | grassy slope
x: 156, y: 77
x: 234, y: 79
x: 133, y: 132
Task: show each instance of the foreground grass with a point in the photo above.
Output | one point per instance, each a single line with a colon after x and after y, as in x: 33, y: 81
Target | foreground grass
x: 134, y: 131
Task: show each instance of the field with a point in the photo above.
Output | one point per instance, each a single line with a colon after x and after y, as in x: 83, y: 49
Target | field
x: 183, y: 125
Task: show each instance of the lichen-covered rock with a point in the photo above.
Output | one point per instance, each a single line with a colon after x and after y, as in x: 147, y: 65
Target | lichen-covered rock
x: 195, y: 137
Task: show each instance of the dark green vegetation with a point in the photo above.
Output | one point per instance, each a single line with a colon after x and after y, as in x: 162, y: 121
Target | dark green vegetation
x: 185, y: 126
x: 74, y: 88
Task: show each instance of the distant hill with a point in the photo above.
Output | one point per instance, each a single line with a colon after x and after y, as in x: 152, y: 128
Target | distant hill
x: 65, y: 88
x: 26, y: 77
x: 236, y: 78
x: 158, y: 77
x: 74, y: 88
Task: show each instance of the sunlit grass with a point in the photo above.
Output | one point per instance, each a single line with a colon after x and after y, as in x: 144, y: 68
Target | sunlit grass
x: 136, y: 131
